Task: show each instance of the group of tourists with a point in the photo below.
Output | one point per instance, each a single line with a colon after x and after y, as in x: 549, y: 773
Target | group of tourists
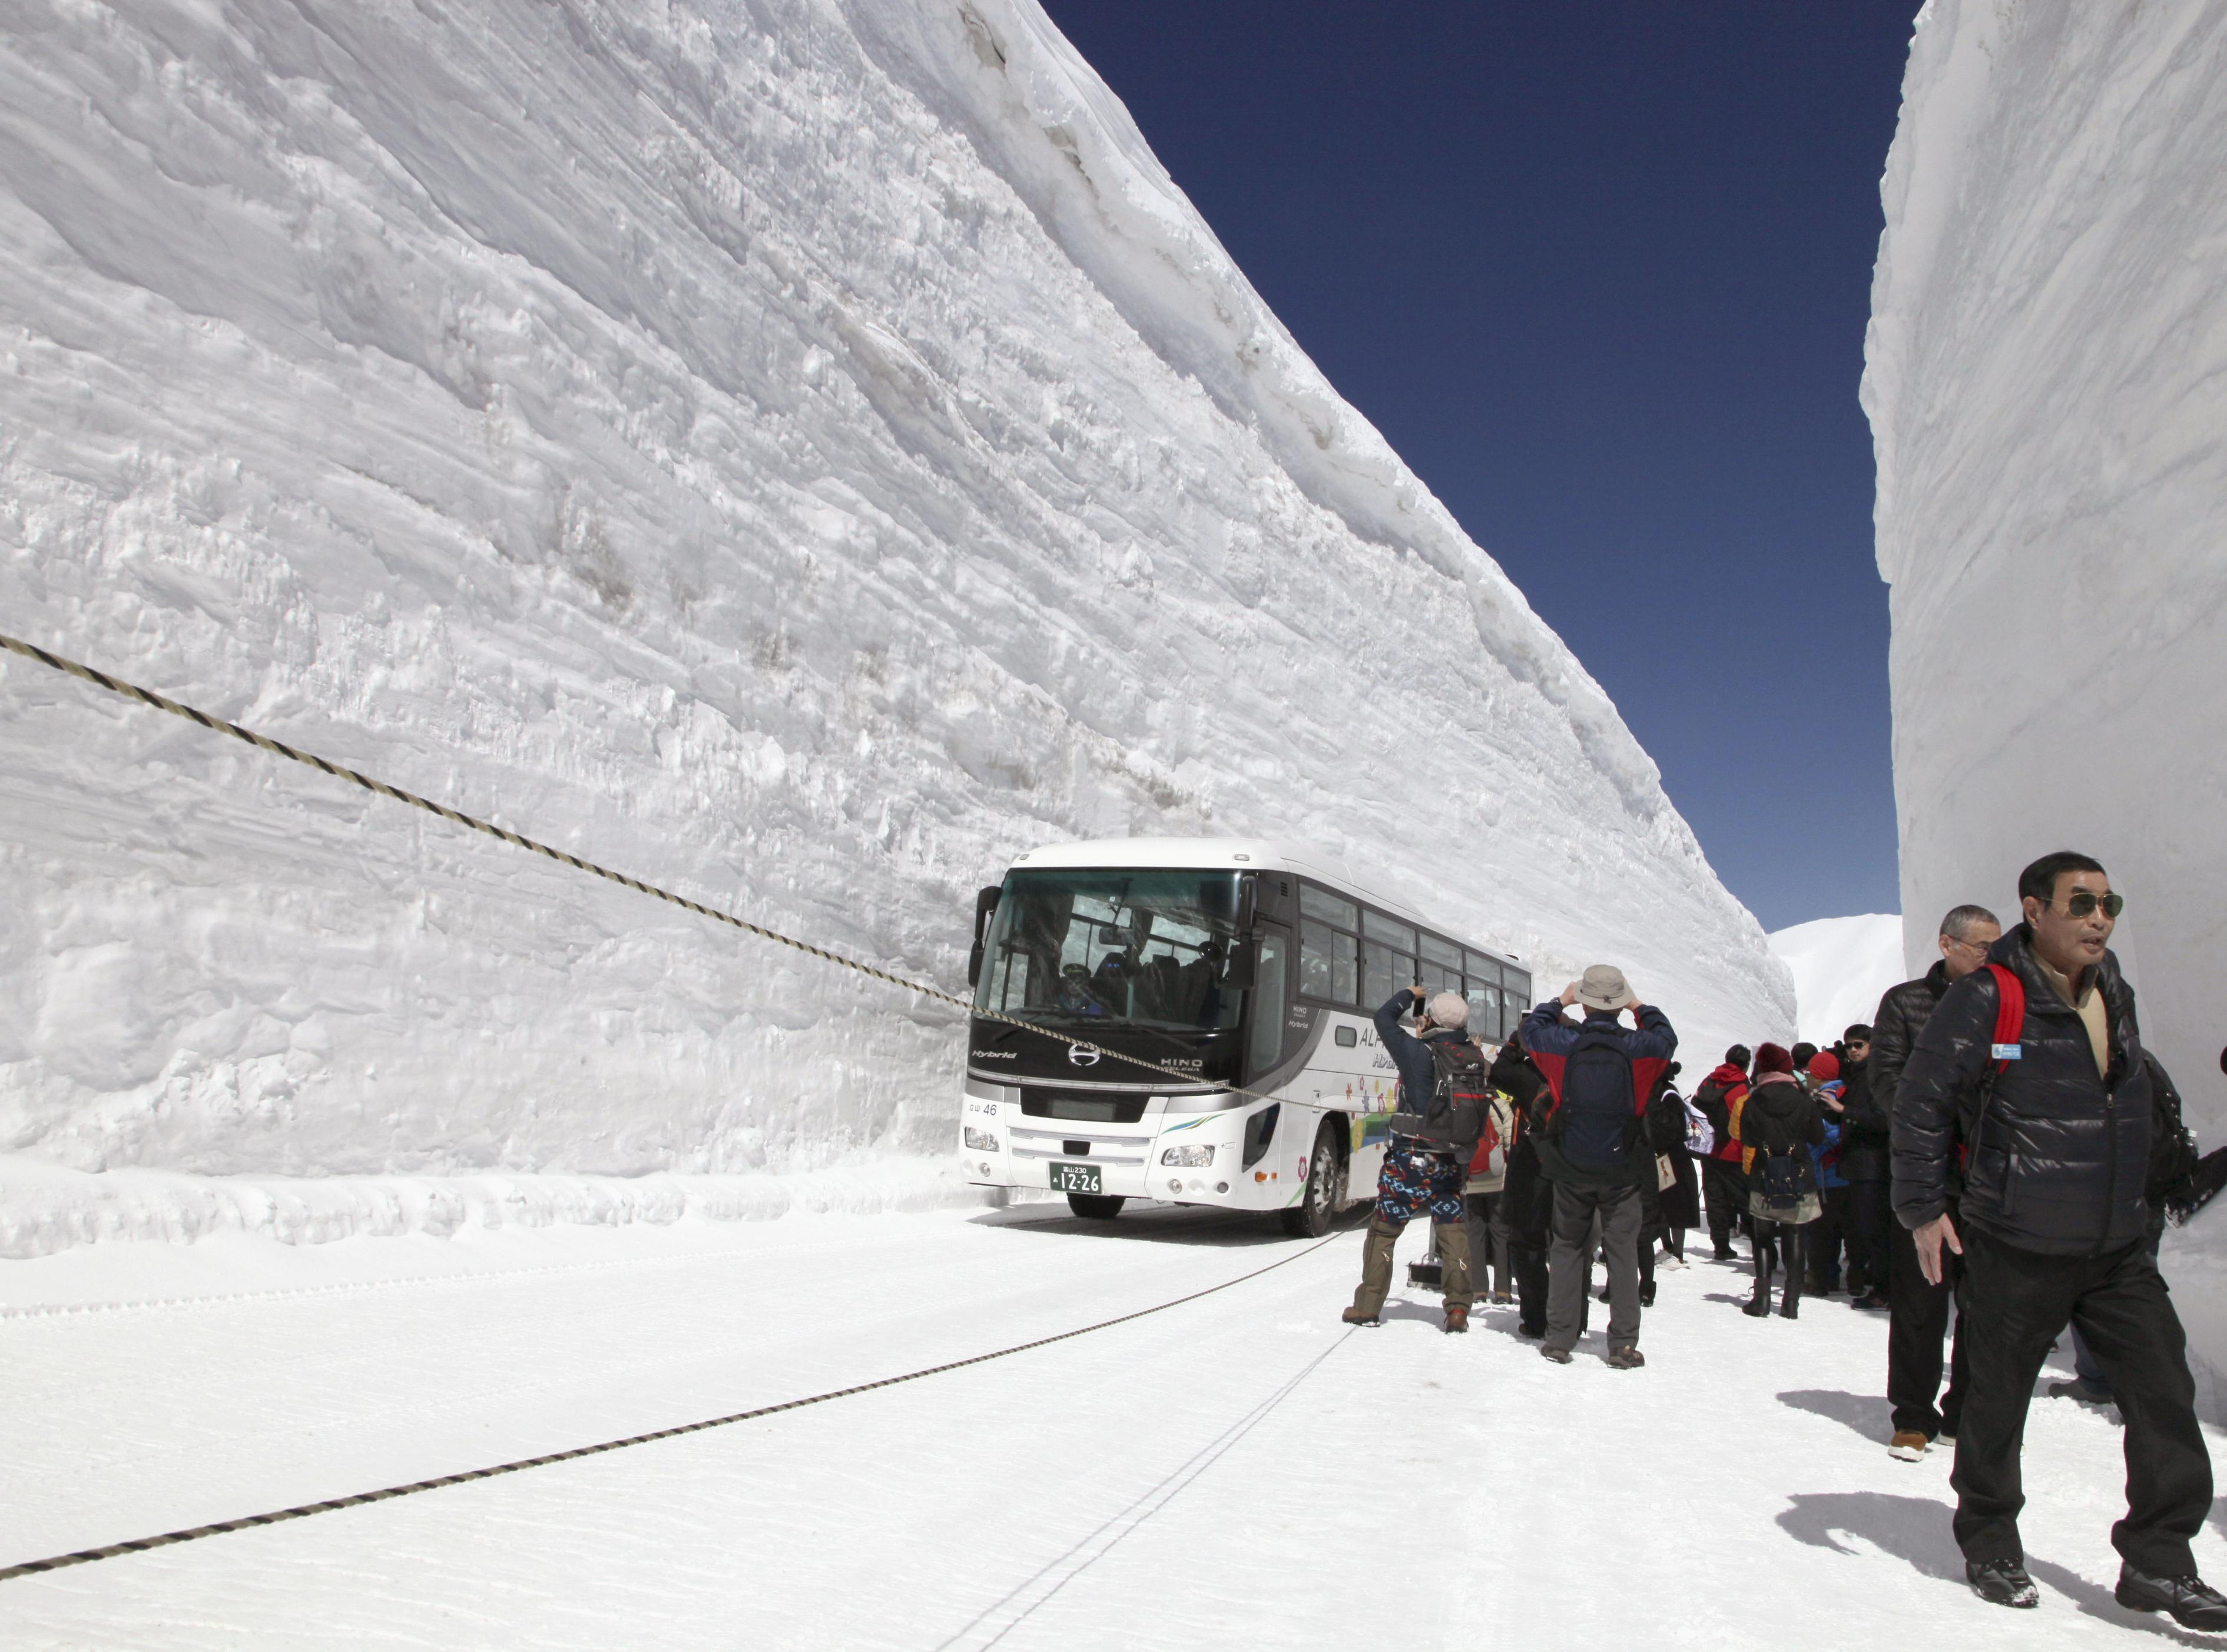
x: 1996, y: 1147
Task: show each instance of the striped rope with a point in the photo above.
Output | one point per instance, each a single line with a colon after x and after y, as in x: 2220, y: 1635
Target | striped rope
x: 458, y: 817
x: 303, y: 1511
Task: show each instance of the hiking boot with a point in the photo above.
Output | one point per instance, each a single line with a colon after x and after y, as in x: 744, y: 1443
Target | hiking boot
x: 1375, y: 1274
x: 1560, y: 1355
x: 2193, y: 1602
x: 1946, y: 1439
x: 1532, y: 1333
x: 2080, y: 1388
x: 1908, y: 1445
x: 1625, y: 1359
x: 1503, y: 1299
x: 2001, y: 1583
x: 1457, y: 1318
x: 1724, y: 1254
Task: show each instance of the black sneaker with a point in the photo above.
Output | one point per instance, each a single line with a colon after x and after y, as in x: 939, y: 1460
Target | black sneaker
x: 2080, y: 1388
x: 1647, y: 1294
x: 2001, y: 1583
x: 1874, y: 1302
x: 1724, y: 1254
x: 2192, y: 1602
x: 1532, y: 1333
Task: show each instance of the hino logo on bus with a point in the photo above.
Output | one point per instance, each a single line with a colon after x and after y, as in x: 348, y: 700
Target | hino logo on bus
x: 1080, y: 1057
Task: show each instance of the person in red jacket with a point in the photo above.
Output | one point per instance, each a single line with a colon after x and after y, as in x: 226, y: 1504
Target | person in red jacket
x: 1721, y: 1096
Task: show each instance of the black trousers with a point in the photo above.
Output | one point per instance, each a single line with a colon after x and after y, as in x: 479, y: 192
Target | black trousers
x: 1820, y: 1245
x: 1528, y: 1263
x: 1918, y: 1320
x: 1871, y: 1217
x: 1725, y: 1184
x: 2018, y: 1302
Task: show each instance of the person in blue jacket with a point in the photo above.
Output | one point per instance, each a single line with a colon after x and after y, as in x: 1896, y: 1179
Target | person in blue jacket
x: 1594, y: 1149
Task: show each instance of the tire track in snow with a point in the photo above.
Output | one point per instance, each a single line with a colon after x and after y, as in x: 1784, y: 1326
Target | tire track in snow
x: 1094, y: 1545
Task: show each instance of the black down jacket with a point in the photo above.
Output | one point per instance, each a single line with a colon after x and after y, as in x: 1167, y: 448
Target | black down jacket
x: 1903, y: 1013
x: 1781, y: 1121
x: 1527, y: 1199
x: 1866, y: 1130
x: 2057, y: 1162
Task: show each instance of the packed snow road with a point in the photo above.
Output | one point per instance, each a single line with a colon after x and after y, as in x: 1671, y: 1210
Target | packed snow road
x: 1240, y: 1471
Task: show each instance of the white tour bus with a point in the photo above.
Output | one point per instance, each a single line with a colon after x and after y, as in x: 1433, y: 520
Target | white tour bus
x: 1233, y: 963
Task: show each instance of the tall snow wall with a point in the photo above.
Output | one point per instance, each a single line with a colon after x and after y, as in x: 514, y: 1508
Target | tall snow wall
x: 2046, y: 379
x: 799, y: 452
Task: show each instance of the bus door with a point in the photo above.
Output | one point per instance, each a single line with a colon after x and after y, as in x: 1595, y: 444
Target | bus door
x: 1271, y: 1009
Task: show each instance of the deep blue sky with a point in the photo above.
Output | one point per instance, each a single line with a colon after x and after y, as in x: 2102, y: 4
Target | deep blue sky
x: 1599, y: 269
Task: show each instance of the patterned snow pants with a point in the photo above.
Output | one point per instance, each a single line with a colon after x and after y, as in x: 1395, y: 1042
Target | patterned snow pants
x: 1414, y: 1179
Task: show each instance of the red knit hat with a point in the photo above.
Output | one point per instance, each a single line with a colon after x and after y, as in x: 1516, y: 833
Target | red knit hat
x: 1824, y: 1066
x: 1772, y: 1058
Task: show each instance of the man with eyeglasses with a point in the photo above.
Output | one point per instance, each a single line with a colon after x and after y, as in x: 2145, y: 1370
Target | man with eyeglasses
x: 2052, y: 1123
x: 1918, y: 1308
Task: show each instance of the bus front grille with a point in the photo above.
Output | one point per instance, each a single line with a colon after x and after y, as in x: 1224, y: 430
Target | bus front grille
x: 1101, y: 1108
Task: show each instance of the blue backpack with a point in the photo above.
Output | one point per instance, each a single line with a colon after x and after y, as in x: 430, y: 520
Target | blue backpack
x: 1594, y: 1119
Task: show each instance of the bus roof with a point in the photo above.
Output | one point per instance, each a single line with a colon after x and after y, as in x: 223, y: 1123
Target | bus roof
x: 1239, y: 854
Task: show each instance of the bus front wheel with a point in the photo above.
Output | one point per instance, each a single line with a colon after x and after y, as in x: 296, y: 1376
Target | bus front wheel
x: 1096, y: 1206
x: 1326, y: 1195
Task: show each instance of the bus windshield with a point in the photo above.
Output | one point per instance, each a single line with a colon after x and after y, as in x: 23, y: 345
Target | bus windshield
x: 1142, y: 948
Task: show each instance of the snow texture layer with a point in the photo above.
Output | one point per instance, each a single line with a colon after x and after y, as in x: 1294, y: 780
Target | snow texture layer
x: 1840, y: 966
x: 798, y: 453
x: 2046, y: 377
x: 1180, y: 1482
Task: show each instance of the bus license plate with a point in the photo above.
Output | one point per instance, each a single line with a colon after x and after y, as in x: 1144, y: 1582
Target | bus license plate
x: 1075, y: 1178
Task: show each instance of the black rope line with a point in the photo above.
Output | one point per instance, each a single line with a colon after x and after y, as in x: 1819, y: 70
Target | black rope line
x: 192, y: 1533
x: 458, y: 817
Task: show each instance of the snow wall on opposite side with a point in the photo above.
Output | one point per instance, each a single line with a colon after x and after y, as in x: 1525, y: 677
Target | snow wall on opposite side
x: 798, y: 452
x: 2046, y: 378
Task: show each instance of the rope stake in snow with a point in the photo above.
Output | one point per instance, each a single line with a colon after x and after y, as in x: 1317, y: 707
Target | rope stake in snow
x: 191, y: 1533
x: 457, y: 817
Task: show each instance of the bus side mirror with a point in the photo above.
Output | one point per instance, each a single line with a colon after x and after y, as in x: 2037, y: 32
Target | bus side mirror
x: 1244, y: 966
x: 985, y: 903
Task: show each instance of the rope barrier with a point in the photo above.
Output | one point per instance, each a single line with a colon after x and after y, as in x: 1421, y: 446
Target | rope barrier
x: 303, y: 1511
x: 458, y: 817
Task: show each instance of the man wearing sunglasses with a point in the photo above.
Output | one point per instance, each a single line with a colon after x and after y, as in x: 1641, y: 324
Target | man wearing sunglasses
x: 2051, y: 1125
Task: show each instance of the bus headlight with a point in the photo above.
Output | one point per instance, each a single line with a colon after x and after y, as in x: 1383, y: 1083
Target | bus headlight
x: 981, y: 1141
x: 1188, y: 1157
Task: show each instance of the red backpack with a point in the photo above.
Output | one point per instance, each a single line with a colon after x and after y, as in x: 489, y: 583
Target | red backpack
x: 2010, y: 1019
x: 2010, y: 1029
